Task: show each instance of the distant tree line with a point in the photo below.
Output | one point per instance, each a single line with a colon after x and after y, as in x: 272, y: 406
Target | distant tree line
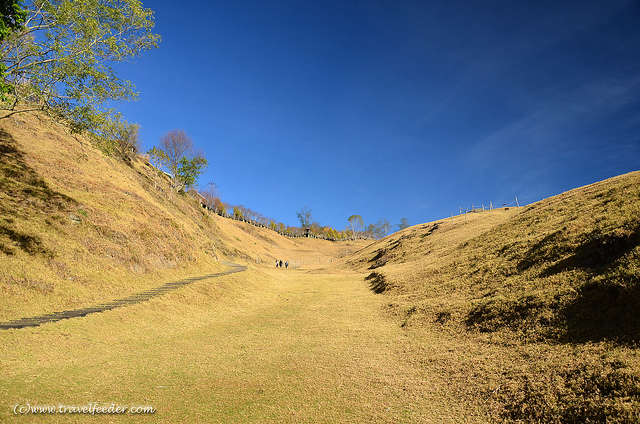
x: 210, y: 199
x: 377, y: 230
x: 308, y: 227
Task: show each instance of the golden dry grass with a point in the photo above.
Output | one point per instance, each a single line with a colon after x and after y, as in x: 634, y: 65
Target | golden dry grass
x: 282, y: 346
x: 525, y: 315
x: 542, y: 302
x: 78, y: 228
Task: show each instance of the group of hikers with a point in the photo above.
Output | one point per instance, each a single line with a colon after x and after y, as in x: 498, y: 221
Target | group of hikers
x: 279, y: 264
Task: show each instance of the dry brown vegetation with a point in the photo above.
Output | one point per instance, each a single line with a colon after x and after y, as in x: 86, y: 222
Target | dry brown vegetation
x: 78, y: 228
x: 544, y: 300
x: 519, y: 315
x: 266, y: 345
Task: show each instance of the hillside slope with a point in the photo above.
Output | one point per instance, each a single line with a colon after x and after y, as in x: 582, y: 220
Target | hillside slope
x: 547, y: 295
x: 538, y: 271
x: 78, y: 228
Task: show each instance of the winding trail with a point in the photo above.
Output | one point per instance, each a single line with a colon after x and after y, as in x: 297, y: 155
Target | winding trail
x: 136, y: 298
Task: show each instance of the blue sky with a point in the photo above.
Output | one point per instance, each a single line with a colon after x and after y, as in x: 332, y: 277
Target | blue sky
x: 394, y: 108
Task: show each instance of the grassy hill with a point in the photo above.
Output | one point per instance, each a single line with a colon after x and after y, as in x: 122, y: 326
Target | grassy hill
x: 547, y: 296
x: 528, y: 315
x: 78, y: 228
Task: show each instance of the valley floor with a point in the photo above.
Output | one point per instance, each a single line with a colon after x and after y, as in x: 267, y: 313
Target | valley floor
x: 266, y: 345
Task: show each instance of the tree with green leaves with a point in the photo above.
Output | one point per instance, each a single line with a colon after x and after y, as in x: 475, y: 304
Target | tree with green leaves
x: 237, y: 213
x: 188, y: 172
x: 356, y: 223
x: 12, y: 17
x: 114, y: 135
x: 59, y: 58
x: 304, y: 216
x: 183, y: 164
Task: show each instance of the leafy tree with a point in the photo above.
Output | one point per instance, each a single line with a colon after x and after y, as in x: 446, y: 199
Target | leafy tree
x: 356, y: 223
x: 58, y: 61
x: 219, y: 206
x: 404, y: 223
x: 237, y: 213
x: 316, y: 228
x: 126, y: 137
x: 113, y: 134
x: 12, y: 17
x: 188, y: 172
x: 304, y: 216
x: 332, y: 234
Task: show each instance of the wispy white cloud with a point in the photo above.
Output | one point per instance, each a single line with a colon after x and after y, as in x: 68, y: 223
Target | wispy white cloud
x: 549, y: 128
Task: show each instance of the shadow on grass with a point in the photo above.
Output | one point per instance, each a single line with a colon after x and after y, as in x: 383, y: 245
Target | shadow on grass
x: 605, y: 307
x: 30, y: 244
x: 603, y: 311
x: 525, y: 314
x: 381, y: 258
x: 22, y: 186
x: 546, y: 250
x: 599, y: 250
x: 377, y: 282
